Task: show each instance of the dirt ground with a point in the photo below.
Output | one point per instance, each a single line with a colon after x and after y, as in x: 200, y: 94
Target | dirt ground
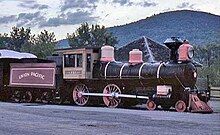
x: 35, y: 119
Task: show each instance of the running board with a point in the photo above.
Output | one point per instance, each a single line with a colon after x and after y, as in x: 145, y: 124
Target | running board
x: 114, y: 95
x: 198, y: 106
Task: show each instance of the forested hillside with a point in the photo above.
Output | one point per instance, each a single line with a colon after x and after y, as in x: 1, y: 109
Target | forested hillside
x: 199, y: 28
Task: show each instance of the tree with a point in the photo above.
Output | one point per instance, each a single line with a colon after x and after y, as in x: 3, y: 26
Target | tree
x: 21, y: 40
x: 100, y: 36
x: 19, y: 37
x: 4, y: 40
x: 209, y: 56
x: 96, y: 36
x: 43, y: 45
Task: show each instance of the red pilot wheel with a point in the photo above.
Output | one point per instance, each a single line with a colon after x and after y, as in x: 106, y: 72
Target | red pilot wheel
x: 111, y: 101
x: 78, y: 96
x: 151, y: 105
x: 180, y: 106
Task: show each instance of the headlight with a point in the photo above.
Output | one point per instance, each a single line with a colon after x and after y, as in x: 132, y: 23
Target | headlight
x: 190, y: 52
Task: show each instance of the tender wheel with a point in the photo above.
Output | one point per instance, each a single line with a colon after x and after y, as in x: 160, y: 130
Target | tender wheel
x: 112, y: 101
x: 27, y: 97
x: 151, y: 105
x: 180, y: 106
x: 45, y: 97
x: 16, y: 96
x: 78, y: 97
x: 57, y: 97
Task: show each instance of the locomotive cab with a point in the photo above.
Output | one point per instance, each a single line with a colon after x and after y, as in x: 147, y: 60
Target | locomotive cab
x: 78, y: 63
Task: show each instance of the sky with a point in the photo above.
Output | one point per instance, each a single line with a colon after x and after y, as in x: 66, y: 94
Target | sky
x: 65, y: 16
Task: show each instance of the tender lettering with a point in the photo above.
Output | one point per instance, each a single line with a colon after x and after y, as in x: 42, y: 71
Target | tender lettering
x: 34, y: 74
x: 38, y: 75
x: 23, y: 75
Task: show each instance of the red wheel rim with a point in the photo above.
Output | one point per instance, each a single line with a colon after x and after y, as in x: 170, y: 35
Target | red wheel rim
x: 111, y: 101
x: 78, y: 96
x: 180, y: 106
x: 151, y: 105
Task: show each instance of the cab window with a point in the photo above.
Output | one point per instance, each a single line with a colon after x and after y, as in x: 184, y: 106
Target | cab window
x: 69, y: 60
x: 73, y: 60
x: 79, y: 60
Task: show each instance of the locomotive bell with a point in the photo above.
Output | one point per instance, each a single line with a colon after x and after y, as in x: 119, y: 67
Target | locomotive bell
x: 173, y: 44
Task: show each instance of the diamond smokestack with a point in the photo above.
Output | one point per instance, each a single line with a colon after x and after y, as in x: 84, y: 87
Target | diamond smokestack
x: 173, y: 44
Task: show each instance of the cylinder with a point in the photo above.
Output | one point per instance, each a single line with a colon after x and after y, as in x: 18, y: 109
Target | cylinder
x: 107, y: 53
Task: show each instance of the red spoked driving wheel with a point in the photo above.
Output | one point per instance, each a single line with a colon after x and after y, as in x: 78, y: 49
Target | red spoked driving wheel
x: 180, y: 106
x: 78, y: 96
x: 151, y: 105
x: 111, y: 101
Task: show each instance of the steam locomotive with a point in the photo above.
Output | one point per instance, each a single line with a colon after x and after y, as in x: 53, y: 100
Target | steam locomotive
x: 81, y: 75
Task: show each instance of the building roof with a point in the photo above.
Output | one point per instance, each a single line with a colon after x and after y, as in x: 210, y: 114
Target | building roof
x: 15, y: 55
x: 64, y: 45
x: 152, y: 51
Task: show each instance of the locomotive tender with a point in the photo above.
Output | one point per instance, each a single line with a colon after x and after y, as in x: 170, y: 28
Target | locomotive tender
x: 24, y: 77
x: 82, y: 75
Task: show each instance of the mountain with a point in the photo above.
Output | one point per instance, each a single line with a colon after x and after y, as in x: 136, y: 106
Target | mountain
x: 62, y: 44
x: 199, y: 28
